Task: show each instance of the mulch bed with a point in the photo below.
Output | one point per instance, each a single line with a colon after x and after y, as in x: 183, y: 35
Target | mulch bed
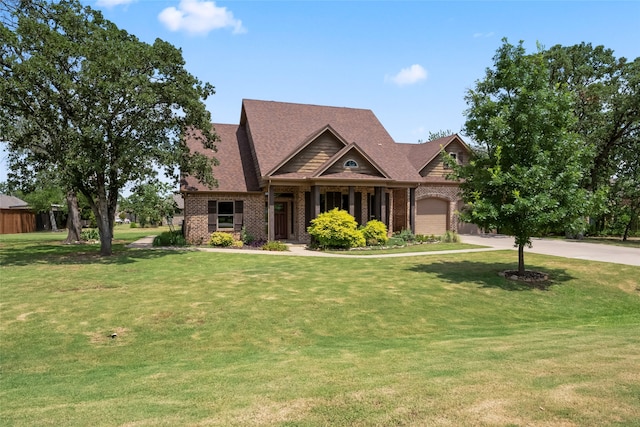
x: 535, y: 279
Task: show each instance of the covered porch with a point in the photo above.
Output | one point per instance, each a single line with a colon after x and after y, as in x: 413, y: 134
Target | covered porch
x: 290, y: 208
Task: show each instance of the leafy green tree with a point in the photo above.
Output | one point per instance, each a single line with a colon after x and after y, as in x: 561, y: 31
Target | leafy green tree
x: 527, y: 177
x: 150, y: 203
x: 607, y: 102
x: 29, y: 180
x: 625, y: 190
x: 97, y: 105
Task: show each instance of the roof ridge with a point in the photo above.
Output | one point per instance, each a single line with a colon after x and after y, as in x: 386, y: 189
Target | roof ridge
x: 306, y: 105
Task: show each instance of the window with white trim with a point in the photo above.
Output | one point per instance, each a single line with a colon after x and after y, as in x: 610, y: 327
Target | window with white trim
x: 350, y: 164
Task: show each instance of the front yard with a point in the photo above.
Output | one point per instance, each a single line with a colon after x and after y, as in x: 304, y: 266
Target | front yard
x: 219, y: 339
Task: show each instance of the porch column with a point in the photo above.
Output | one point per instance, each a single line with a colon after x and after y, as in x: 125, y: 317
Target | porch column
x: 315, y: 200
x: 271, y: 212
x: 453, y: 223
x: 352, y: 201
x: 412, y: 210
x: 381, y: 204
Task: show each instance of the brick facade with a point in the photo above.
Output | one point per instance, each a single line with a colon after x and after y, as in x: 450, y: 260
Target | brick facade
x: 196, y: 225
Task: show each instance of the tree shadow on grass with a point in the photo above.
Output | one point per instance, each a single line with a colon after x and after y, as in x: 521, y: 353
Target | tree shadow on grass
x: 61, y: 254
x: 485, y: 275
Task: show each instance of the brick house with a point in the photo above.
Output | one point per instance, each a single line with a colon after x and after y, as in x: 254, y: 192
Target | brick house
x: 286, y: 163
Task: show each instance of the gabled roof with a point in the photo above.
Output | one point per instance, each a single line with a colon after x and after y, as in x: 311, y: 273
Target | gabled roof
x: 341, y: 154
x: 277, y: 129
x: 420, y: 155
x: 304, y: 144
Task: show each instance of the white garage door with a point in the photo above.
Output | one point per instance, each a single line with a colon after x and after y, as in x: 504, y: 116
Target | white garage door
x: 432, y: 216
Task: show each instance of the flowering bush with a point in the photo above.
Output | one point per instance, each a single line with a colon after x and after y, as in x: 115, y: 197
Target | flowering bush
x: 375, y: 233
x: 275, y: 245
x: 219, y: 238
x: 336, y: 229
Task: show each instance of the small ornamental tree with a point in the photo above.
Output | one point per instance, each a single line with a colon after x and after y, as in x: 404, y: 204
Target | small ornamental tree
x: 527, y: 177
x: 336, y: 229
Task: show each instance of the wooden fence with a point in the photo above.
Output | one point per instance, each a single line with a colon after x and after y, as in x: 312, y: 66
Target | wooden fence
x: 17, y: 221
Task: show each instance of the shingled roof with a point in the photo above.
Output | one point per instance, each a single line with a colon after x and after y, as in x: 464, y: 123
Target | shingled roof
x: 420, y: 155
x: 278, y: 128
x: 236, y: 172
x: 276, y: 131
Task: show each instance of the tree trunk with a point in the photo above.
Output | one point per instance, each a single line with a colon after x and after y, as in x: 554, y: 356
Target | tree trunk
x: 520, y: 259
x: 105, y: 229
x: 52, y: 219
x: 626, y: 230
x: 104, y: 219
x: 74, y: 226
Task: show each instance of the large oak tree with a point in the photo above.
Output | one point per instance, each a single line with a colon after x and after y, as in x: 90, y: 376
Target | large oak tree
x: 97, y: 105
x: 526, y: 176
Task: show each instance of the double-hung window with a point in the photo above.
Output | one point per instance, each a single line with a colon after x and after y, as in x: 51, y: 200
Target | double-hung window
x: 225, y: 215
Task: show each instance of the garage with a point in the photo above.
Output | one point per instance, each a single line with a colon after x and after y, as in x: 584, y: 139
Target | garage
x: 432, y: 216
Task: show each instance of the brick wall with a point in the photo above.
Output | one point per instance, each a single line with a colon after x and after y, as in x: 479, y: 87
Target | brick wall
x: 196, y: 226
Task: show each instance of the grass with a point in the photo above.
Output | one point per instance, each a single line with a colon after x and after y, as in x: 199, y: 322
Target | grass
x: 217, y: 339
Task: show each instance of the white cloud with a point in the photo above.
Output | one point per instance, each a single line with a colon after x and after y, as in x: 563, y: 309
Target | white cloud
x: 199, y: 17
x: 409, y: 76
x: 112, y: 3
x: 483, y: 35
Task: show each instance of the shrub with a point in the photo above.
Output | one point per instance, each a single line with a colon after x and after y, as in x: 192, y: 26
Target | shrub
x: 246, y: 237
x: 170, y: 238
x: 133, y: 225
x: 219, y: 238
x: 423, y: 238
x: 375, y: 233
x: 406, y: 235
x: 336, y: 229
x: 90, y: 234
x: 451, y: 237
x: 237, y: 244
x: 275, y: 246
x: 396, y: 241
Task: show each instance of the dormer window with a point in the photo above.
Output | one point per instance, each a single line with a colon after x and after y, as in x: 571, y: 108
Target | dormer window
x: 350, y: 164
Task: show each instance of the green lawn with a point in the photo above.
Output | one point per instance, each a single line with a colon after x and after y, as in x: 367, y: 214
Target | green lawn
x: 220, y: 339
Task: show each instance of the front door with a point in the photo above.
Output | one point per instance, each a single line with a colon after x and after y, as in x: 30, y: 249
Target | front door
x: 280, y: 221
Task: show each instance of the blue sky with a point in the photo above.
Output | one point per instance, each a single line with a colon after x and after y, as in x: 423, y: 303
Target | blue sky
x: 410, y: 62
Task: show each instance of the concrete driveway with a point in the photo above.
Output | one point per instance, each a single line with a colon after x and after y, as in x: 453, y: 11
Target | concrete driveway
x: 563, y: 248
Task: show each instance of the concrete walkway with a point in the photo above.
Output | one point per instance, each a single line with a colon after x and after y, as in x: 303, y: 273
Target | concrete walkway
x: 555, y: 247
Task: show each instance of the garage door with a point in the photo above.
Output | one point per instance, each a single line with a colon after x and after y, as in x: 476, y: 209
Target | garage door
x: 432, y: 216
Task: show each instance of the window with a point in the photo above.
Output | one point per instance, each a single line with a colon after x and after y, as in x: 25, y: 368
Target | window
x: 350, y: 164
x: 225, y: 215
